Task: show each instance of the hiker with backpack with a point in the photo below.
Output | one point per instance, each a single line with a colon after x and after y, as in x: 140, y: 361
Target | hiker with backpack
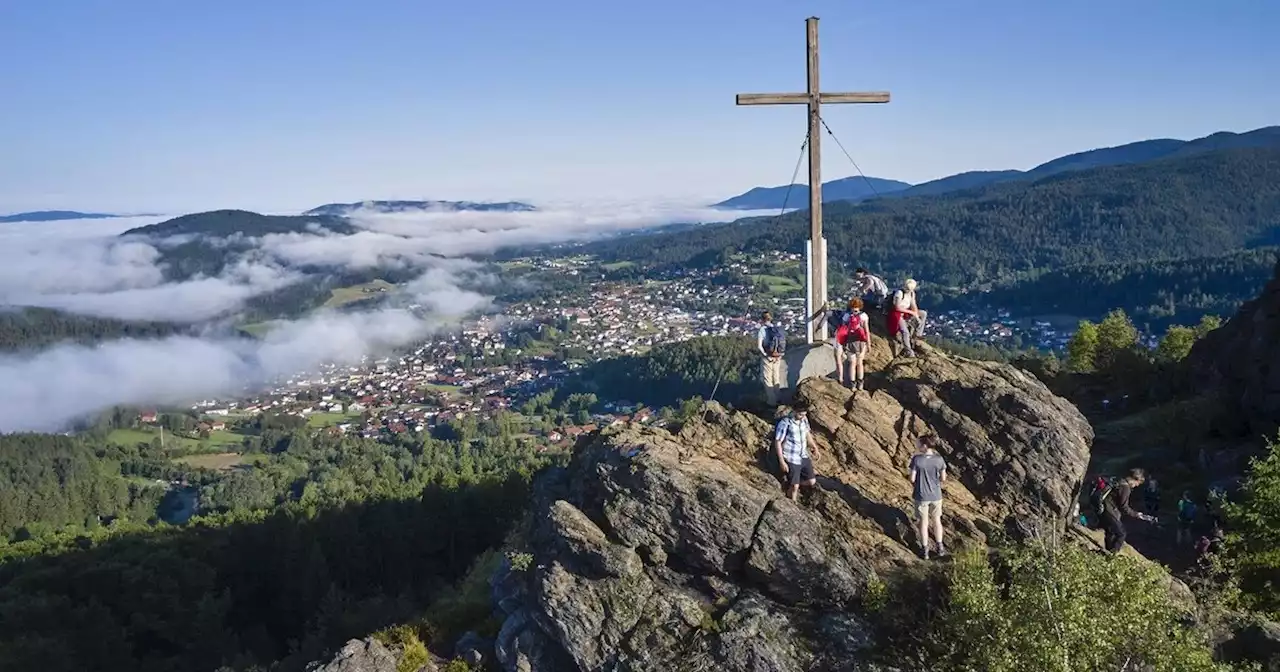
x: 928, y: 473
x: 856, y: 343
x: 771, y: 341
x: 906, y: 320
x: 793, y: 444
x: 837, y: 324
x: 872, y: 288
x: 1110, y: 499
x: 1187, y: 511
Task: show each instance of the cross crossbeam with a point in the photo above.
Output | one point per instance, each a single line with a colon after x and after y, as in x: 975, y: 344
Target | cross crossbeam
x: 803, y: 98
x: 814, y: 97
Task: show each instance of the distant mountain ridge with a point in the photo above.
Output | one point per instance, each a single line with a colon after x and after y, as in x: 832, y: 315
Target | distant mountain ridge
x: 224, y: 223
x: 395, y: 207
x: 1142, y: 151
x: 54, y: 216
x: 845, y: 189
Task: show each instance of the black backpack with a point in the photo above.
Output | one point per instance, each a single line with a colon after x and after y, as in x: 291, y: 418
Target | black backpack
x: 775, y: 340
x: 1102, y: 487
x: 836, y: 318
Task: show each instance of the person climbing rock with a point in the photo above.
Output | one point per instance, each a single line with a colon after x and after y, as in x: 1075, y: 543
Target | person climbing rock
x: 1187, y: 513
x: 906, y: 320
x: 928, y: 473
x: 771, y: 341
x: 1151, y: 496
x: 857, y: 343
x: 873, y: 290
x: 793, y: 443
x: 837, y: 324
x: 1115, y: 506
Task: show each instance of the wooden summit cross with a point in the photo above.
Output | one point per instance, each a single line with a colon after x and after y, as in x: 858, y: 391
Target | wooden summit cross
x: 814, y: 97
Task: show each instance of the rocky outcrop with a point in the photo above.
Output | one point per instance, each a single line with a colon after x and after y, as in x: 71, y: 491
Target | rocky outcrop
x: 361, y: 655
x: 1242, y: 361
x: 660, y: 551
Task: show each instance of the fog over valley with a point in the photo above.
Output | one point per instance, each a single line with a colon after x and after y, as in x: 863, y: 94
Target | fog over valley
x: 207, y: 283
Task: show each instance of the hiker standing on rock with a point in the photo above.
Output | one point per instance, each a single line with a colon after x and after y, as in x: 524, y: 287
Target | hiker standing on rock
x: 906, y: 320
x: 928, y: 473
x: 1115, y: 505
x: 796, y: 451
x: 838, y: 324
x: 857, y: 343
x: 771, y: 341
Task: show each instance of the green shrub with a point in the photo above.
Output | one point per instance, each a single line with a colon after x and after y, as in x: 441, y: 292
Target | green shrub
x: 1253, y: 544
x: 1036, y: 608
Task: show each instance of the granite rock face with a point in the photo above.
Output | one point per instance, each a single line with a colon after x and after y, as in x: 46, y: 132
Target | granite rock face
x: 1242, y: 361
x: 661, y: 551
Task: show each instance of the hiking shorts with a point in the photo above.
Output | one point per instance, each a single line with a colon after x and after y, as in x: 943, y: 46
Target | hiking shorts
x: 931, y: 509
x: 803, y: 472
x: 835, y: 345
x: 856, y: 347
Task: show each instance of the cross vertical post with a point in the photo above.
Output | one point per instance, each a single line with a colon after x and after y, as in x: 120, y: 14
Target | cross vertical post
x: 816, y: 284
x: 813, y: 98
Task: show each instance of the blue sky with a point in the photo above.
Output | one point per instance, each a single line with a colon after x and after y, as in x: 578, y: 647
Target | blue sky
x: 155, y: 105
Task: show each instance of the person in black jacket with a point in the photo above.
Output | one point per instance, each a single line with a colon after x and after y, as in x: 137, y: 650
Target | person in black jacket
x: 1116, y: 506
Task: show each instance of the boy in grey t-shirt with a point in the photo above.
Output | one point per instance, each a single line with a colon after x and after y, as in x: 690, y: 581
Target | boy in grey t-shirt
x: 928, y: 473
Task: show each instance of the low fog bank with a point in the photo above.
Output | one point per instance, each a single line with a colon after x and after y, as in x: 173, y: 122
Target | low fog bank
x: 56, y: 386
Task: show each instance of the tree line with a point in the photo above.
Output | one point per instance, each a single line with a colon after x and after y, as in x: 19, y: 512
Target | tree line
x: 1155, y: 294
x: 316, y: 539
x: 1209, y: 204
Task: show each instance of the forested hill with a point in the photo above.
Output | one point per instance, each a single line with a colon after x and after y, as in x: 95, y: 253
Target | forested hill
x: 1155, y: 294
x: 223, y: 223
x: 29, y: 328
x: 1202, y: 205
x: 1122, y: 155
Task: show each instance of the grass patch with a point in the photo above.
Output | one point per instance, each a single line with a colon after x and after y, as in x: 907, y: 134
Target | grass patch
x: 347, y: 295
x: 617, y: 265
x: 258, y: 329
x: 216, y: 461
x: 217, y: 439
x: 320, y: 420
x: 777, y: 284
x: 438, y: 387
x: 131, y: 437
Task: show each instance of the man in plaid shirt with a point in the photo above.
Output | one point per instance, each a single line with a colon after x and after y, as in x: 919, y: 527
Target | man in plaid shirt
x: 794, y: 445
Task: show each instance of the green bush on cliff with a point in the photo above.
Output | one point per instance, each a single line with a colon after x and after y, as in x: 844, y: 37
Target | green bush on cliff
x: 1253, y: 544
x: 1037, y: 608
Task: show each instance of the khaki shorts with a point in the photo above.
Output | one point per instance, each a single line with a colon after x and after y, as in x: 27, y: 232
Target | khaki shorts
x: 931, y: 509
x: 856, y: 347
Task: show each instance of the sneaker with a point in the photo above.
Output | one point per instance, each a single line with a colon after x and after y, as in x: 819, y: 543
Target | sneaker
x: 942, y: 550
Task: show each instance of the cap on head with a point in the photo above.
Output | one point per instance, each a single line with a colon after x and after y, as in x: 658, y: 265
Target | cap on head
x: 910, y: 284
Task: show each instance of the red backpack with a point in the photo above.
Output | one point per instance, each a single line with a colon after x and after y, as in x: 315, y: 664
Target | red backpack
x: 856, y: 329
